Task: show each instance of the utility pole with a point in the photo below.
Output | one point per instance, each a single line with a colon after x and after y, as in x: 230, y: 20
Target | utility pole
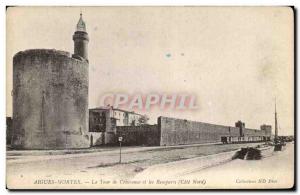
x: 120, y: 141
x: 66, y: 137
x: 276, y: 125
x: 42, y: 118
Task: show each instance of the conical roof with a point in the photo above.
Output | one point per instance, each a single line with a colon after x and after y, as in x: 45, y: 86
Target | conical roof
x: 81, y: 24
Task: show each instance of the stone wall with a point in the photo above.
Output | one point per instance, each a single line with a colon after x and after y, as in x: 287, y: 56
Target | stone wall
x: 172, y: 131
x: 50, y: 100
x: 254, y: 132
x: 180, y: 132
x: 144, y: 135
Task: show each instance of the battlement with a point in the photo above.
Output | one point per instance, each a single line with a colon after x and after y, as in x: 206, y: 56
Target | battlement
x: 32, y: 52
x: 81, y: 36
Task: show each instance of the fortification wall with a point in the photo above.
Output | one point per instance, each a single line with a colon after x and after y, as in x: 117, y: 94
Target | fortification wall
x: 147, y: 135
x: 179, y: 132
x: 172, y: 131
x: 254, y: 132
x: 50, y: 100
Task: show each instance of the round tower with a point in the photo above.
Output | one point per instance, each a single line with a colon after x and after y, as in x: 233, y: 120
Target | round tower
x: 50, y: 96
x: 81, y: 40
x: 50, y: 100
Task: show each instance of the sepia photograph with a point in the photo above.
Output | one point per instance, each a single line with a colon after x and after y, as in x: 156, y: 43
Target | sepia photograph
x: 150, y: 97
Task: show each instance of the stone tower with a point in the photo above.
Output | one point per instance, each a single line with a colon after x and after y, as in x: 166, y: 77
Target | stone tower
x: 50, y: 97
x: 81, y: 40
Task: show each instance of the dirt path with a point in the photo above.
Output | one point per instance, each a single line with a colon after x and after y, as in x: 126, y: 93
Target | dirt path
x: 105, y: 164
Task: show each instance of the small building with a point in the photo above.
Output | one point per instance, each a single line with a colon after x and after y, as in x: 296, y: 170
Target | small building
x: 104, y: 120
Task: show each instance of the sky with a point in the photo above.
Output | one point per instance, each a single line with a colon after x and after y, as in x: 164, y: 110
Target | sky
x: 235, y: 60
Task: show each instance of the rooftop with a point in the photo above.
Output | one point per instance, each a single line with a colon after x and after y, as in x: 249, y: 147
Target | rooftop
x: 112, y: 108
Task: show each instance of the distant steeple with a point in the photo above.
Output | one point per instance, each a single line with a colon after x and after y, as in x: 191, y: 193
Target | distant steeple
x: 81, y: 24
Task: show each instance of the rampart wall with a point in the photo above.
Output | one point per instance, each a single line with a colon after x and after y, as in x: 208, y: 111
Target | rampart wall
x: 147, y: 135
x: 181, y: 132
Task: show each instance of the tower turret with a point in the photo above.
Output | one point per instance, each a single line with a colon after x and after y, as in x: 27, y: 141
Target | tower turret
x: 81, y: 40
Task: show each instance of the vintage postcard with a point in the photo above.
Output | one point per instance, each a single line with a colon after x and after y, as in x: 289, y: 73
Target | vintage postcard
x: 150, y: 97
